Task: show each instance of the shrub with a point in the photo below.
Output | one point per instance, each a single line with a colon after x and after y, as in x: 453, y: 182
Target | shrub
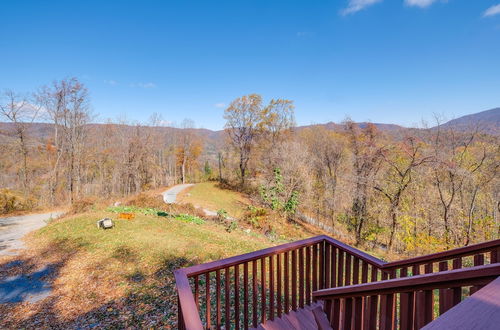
x: 12, y: 202
x: 222, y: 215
x: 146, y: 201
x: 83, y: 205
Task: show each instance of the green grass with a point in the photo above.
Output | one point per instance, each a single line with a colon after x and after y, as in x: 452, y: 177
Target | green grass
x: 150, y: 238
x: 132, y: 264
x: 211, y: 197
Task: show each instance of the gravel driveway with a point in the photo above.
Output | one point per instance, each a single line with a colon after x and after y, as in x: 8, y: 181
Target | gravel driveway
x: 170, y: 195
x: 12, y: 229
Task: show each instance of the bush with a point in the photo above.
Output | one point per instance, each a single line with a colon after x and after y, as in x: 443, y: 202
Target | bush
x: 12, y: 202
x: 222, y: 215
x: 146, y: 201
x: 83, y: 205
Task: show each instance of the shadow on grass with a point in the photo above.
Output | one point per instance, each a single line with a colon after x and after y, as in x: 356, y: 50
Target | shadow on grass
x: 152, y: 301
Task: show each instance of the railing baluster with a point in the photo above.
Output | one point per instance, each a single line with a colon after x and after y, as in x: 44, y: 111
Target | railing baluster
x: 263, y: 296
x: 495, y: 255
x: 419, y: 317
x: 340, y: 272
x: 321, y: 248
x: 227, y: 306
x: 365, y: 301
x: 384, y: 315
x: 358, y: 312
x: 355, y: 270
x: 373, y: 303
x: 254, y: 293
x: 347, y: 320
x: 278, y: 283
x: 444, y: 295
x: 429, y: 297
x: 392, y: 274
x: 387, y: 316
x: 335, y: 314
x: 271, y: 288
x: 364, y: 272
x: 405, y: 305
x: 457, y: 292
x: 315, y: 267
x: 217, y: 301
x: 347, y: 269
x: 294, y: 280
x: 207, y: 297
x: 333, y: 281
x: 308, y: 275
x: 245, y: 295
x: 327, y: 265
x: 478, y: 261
x: 287, y: 283
x: 196, y: 292
x: 301, y: 277
x: 237, y: 296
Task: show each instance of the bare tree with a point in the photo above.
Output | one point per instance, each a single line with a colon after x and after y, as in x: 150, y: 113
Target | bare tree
x: 21, y: 114
x: 367, y: 157
x: 187, y: 149
x: 243, y: 125
x: 450, y: 148
x: 67, y: 105
x: 402, y: 161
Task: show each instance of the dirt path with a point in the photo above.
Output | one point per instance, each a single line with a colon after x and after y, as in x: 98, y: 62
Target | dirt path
x: 12, y: 230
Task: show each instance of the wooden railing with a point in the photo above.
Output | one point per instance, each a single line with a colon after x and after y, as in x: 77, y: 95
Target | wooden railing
x: 403, y: 301
x: 247, y: 290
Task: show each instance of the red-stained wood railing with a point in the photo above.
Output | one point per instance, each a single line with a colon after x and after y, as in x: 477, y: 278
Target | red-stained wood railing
x: 247, y: 290
x: 402, y: 292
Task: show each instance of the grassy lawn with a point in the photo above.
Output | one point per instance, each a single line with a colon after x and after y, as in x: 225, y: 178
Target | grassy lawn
x: 211, y: 197
x: 122, y: 276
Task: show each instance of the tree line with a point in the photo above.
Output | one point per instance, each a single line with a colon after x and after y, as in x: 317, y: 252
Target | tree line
x: 74, y: 158
x: 413, y: 190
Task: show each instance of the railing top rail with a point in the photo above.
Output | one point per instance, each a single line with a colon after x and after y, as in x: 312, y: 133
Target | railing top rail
x: 439, y: 256
x: 411, y: 283
x: 239, y: 259
x: 358, y: 253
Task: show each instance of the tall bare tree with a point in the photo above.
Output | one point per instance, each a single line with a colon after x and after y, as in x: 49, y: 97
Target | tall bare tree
x: 243, y: 125
x: 21, y: 113
x: 367, y: 153
x: 67, y: 105
x: 401, y: 159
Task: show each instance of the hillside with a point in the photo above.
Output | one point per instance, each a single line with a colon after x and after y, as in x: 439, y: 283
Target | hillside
x: 486, y: 121
x: 123, y: 277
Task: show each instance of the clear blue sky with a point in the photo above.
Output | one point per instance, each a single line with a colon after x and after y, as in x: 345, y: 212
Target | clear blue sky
x: 393, y: 61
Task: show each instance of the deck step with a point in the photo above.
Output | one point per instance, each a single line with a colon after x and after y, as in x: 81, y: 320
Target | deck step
x: 309, y: 317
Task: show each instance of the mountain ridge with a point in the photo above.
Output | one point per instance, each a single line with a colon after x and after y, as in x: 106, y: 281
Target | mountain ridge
x: 487, y: 121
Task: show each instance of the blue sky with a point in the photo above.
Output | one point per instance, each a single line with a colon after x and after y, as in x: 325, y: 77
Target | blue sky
x: 393, y: 61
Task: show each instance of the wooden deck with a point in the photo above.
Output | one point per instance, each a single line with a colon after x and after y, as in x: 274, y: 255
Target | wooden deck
x: 282, y: 287
x: 479, y: 311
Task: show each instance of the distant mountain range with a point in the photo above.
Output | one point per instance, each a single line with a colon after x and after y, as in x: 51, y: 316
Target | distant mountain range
x: 486, y: 122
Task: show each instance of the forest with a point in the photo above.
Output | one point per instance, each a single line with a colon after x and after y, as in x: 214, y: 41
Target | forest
x: 411, y: 190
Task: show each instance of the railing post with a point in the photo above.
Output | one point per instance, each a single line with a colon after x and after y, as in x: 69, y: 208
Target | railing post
x: 180, y: 319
